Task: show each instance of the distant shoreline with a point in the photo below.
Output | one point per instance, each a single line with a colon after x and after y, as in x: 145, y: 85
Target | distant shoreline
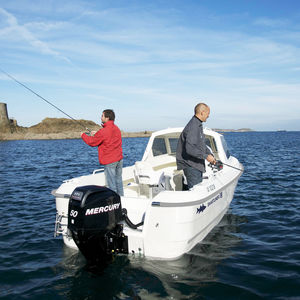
x: 62, y: 128
x: 68, y: 135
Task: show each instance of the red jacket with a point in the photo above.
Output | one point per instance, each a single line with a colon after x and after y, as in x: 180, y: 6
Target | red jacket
x: 109, y: 142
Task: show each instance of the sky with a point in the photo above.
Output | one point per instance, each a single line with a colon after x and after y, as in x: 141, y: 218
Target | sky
x: 153, y: 61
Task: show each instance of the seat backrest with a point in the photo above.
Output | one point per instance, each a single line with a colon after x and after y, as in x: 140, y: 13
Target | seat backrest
x: 144, y: 173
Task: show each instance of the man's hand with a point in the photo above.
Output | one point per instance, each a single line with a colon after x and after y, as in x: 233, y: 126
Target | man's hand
x: 211, y: 159
x: 87, y: 133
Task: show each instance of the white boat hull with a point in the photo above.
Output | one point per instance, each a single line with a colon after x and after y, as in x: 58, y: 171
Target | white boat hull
x: 174, y: 228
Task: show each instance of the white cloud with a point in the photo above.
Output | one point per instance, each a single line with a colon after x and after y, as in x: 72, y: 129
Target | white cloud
x: 268, y: 22
x: 15, y: 31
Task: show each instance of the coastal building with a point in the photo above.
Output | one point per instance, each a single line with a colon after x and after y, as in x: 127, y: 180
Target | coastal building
x: 4, y: 120
x: 6, y: 124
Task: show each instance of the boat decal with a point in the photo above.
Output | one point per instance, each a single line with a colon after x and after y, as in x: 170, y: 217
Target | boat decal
x: 209, y: 203
x: 101, y: 209
x: 200, y: 209
x: 211, y: 188
x: 77, y: 195
x: 208, y: 225
x: 155, y: 203
x: 74, y: 213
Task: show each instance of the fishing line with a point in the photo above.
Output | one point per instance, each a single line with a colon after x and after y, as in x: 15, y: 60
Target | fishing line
x: 253, y: 175
x: 26, y: 87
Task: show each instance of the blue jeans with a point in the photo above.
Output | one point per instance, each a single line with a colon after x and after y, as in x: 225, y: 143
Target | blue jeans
x: 193, y: 176
x: 113, y: 175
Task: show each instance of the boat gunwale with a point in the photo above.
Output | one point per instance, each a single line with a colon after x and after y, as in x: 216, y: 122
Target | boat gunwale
x: 169, y: 204
x: 196, y: 202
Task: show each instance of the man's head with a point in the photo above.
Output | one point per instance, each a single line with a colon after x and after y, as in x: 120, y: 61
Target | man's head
x: 107, y: 115
x: 202, y: 111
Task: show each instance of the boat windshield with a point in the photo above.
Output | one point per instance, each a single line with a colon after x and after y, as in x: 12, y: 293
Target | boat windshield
x: 225, y: 147
x: 173, y: 145
x: 159, y: 146
x: 165, y: 144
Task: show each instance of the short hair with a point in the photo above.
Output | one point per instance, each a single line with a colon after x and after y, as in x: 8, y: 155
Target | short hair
x: 109, y: 113
x: 200, y: 107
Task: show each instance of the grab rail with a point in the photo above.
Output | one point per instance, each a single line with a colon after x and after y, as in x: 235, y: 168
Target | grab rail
x: 98, y: 171
x: 53, y: 193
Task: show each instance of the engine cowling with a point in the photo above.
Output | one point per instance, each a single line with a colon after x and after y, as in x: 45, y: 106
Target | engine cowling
x: 95, y: 222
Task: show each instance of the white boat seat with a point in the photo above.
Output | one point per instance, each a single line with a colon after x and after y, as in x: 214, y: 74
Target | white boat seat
x: 179, y: 180
x: 144, y: 174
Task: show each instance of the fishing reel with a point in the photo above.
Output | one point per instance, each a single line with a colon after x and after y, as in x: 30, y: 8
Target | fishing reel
x: 218, y: 166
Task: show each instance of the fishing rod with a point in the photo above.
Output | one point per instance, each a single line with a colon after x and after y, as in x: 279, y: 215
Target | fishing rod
x: 218, y: 163
x: 26, y: 87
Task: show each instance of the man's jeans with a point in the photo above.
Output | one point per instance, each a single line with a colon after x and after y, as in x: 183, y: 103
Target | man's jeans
x: 113, y: 175
x: 193, y: 176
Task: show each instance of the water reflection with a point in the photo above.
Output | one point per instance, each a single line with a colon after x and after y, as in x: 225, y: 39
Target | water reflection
x: 200, y: 265
x: 132, y: 277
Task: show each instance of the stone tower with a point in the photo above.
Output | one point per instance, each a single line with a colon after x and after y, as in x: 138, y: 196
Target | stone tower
x: 4, y: 120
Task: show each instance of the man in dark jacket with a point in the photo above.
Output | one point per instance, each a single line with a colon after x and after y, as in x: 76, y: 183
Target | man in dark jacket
x: 110, y: 155
x: 191, y: 149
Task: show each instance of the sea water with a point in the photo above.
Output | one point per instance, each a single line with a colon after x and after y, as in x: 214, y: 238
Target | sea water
x: 254, y: 253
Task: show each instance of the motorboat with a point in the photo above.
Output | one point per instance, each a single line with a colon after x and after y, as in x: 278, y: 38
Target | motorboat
x: 157, y: 217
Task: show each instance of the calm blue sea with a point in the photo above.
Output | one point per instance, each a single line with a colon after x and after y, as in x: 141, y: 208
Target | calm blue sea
x: 254, y: 253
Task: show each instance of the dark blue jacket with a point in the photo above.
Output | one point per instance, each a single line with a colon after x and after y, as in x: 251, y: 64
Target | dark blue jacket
x: 191, y: 148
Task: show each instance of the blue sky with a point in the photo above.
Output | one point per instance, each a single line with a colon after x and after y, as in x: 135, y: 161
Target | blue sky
x: 153, y: 61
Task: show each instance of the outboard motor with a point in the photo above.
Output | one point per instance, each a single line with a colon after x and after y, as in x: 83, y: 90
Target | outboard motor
x: 95, y: 221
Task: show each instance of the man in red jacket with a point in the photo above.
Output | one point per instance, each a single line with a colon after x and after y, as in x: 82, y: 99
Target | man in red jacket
x: 109, y: 142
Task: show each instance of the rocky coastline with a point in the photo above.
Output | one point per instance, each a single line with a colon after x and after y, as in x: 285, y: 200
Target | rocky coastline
x: 55, y: 128
x: 62, y: 128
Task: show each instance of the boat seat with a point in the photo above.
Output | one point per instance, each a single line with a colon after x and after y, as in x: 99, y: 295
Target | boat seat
x: 179, y: 180
x: 144, y: 174
x: 150, y: 182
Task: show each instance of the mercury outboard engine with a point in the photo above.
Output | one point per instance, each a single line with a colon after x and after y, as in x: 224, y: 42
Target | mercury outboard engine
x: 95, y: 221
